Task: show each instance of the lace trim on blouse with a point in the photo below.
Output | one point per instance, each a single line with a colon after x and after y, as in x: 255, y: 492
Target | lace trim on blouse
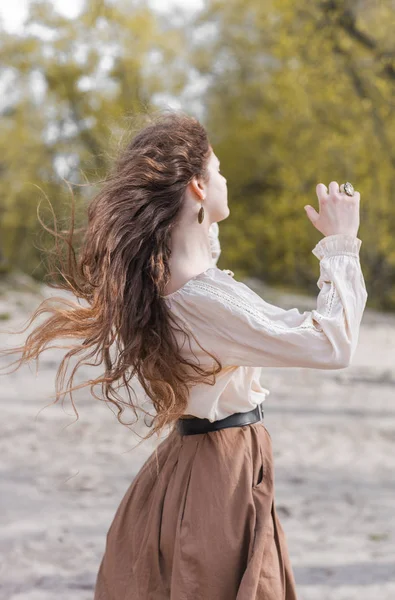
x: 229, y: 301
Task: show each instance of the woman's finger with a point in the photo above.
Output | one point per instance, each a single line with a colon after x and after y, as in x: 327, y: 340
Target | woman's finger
x: 334, y: 187
x: 311, y: 213
x: 322, y: 193
x: 321, y: 190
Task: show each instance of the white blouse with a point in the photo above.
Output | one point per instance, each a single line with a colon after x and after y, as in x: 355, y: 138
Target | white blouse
x: 247, y: 333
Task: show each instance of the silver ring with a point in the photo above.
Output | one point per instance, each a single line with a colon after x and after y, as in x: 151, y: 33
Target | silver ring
x: 348, y: 189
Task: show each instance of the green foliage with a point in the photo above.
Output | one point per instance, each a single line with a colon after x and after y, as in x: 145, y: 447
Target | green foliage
x: 296, y: 93
x: 71, y: 86
x: 301, y: 93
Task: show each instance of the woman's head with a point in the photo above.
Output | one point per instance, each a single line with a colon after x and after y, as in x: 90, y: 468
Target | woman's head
x: 167, y: 171
x: 211, y: 193
x: 190, y: 246
x: 121, y: 269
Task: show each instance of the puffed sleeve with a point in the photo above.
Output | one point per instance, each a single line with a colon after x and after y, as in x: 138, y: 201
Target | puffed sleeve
x: 243, y: 329
x: 215, y: 246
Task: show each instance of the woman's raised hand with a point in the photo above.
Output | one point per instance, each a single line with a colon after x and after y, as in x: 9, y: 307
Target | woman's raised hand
x: 338, y: 212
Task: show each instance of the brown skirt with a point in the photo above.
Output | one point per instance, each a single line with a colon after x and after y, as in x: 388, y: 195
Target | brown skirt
x: 206, y: 528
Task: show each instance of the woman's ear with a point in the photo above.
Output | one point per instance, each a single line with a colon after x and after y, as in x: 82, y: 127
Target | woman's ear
x: 197, y: 187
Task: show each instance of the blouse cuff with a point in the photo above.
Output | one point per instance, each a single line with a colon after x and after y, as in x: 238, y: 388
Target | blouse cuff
x: 341, y: 243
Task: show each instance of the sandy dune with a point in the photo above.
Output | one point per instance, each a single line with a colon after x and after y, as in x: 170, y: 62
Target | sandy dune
x: 333, y: 434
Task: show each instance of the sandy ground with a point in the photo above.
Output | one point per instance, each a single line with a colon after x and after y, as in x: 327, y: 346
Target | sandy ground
x: 333, y: 434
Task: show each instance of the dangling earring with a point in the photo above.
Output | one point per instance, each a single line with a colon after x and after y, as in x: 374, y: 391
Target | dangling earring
x: 201, y: 215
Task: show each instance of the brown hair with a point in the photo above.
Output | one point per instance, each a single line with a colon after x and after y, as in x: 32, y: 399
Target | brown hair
x: 121, y: 272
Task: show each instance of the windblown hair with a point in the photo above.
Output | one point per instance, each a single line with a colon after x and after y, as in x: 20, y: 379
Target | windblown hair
x: 121, y: 272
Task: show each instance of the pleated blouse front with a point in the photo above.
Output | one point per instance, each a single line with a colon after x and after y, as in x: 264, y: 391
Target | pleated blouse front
x: 247, y: 333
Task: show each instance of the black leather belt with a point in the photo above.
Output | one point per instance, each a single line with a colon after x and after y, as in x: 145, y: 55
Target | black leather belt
x: 196, y: 425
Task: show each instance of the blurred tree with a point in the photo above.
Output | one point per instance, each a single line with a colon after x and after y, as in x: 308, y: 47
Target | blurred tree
x: 300, y: 93
x: 69, y: 87
x: 293, y: 93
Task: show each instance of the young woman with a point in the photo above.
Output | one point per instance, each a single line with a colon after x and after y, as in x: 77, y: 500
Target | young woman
x: 199, y: 521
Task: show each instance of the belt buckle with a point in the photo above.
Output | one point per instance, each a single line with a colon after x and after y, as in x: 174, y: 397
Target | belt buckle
x: 260, y: 411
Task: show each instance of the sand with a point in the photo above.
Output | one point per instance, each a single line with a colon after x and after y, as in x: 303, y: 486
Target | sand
x: 333, y: 434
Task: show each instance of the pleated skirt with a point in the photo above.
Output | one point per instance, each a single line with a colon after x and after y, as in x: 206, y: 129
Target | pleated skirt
x: 199, y: 522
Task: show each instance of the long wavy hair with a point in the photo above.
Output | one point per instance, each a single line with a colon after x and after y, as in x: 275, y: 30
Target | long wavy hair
x: 120, y: 272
